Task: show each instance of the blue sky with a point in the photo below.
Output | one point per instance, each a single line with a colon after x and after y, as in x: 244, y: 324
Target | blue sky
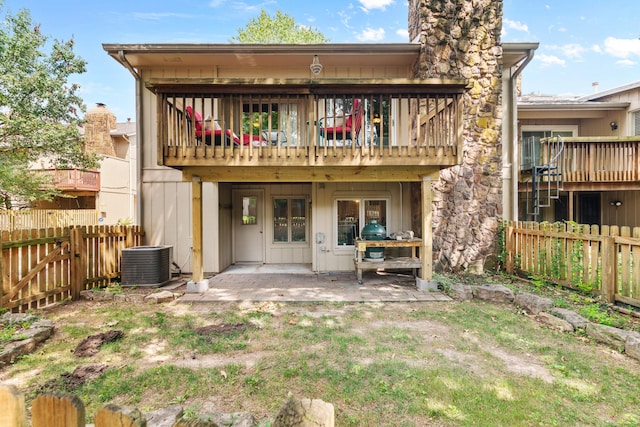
x: 581, y: 42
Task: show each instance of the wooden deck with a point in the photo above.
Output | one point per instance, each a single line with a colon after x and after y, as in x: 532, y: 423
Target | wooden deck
x: 230, y: 130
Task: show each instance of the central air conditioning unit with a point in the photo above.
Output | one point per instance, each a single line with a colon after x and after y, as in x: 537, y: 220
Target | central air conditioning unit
x: 146, y: 265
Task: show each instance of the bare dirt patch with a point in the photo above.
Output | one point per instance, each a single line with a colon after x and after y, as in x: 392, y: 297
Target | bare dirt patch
x: 90, y: 346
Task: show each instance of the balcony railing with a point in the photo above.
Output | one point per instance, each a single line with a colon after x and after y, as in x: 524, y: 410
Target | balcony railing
x: 74, y: 179
x: 310, y: 124
x: 600, y: 159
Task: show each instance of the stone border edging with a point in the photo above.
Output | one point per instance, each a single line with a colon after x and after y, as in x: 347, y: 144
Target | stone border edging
x: 565, y: 320
x: 24, y: 341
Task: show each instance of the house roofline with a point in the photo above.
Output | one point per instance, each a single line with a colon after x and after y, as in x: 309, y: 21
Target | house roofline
x: 261, y: 49
x: 613, y: 91
x: 583, y: 106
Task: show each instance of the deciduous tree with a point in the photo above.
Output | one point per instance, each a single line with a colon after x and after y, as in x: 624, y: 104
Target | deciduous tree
x: 39, y: 109
x: 281, y: 28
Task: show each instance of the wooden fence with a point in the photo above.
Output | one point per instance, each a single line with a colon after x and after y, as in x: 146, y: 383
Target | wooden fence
x: 46, y: 218
x: 593, y: 259
x: 39, y: 267
x: 54, y: 410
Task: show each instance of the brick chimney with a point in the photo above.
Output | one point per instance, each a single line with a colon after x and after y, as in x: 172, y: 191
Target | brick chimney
x: 100, y: 121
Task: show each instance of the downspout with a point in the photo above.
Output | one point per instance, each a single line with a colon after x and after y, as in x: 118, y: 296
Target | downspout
x: 139, y: 135
x: 513, y: 113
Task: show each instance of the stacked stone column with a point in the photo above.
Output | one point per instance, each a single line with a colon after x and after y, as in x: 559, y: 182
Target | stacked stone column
x: 461, y: 39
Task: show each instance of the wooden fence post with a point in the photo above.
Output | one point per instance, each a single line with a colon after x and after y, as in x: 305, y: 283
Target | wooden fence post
x: 114, y: 416
x: 509, y: 248
x: 78, y: 261
x: 51, y: 410
x: 609, y: 282
x: 13, y: 412
x: 129, y: 241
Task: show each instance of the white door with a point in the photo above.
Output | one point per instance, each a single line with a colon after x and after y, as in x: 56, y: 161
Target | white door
x: 248, y: 221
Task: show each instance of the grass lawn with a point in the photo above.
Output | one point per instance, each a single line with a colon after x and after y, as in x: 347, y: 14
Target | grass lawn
x: 392, y: 364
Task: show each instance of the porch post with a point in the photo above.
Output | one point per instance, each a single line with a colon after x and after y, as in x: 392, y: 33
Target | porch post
x: 197, y: 283
x: 426, y: 250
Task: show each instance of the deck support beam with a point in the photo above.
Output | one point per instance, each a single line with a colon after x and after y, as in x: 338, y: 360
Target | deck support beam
x: 425, y: 282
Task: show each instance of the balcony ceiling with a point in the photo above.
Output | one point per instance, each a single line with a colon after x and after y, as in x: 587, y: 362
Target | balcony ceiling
x: 255, y: 56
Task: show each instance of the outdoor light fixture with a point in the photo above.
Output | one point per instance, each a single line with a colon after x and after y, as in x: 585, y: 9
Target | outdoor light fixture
x: 316, y: 66
x: 613, y: 125
x: 616, y: 203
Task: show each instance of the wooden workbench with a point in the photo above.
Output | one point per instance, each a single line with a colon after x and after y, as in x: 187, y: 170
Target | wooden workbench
x: 413, y: 262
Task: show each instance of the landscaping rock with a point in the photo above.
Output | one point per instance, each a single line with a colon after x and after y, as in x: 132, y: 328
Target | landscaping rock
x: 97, y: 295
x: 38, y: 334
x: 613, y: 337
x: 15, y: 349
x: 239, y: 419
x: 632, y: 345
x: 160, y: 297
x: 554, y: 322
x: 572, y: 317
x: 305, y: 413
x: 9, y: 318
x: 165, y: 417
x: 532, y: 303
x: 494, y: 293
x: 26, y: 340
x: 462, y: 292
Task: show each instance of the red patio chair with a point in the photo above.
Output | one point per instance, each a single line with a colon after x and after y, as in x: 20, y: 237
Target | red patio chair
x: 349, y: 131
x: 208, y: 133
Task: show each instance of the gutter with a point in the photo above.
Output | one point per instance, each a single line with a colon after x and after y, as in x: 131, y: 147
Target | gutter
x: 139, y: 135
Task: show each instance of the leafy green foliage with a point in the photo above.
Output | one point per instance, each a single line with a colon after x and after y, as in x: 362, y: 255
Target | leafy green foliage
x: 278, y: 29
x: 39, y: 109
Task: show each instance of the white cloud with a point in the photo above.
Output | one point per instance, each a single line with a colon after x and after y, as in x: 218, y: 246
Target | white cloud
x: 371, y: 35
x: 622, y: 48
x: 548, y: 60
x: 569, y: 50
x: 376, y: 4
x: 403, y: 33
x: 515, y: 25
x: 626, y: 63
x: 596, y: 48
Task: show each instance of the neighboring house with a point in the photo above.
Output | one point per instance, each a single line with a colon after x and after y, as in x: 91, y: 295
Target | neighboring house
x: 111, y: 189
x: 284, y: 153
x: 596, y: 177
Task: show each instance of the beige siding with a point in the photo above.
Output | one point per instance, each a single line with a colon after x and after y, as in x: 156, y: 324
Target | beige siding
x: 115, y: 197
x: 625, y: 215
x: 279, y: 253
x: 341, y: 259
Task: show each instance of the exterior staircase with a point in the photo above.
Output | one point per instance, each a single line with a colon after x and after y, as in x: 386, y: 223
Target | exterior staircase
x: 543, y: 159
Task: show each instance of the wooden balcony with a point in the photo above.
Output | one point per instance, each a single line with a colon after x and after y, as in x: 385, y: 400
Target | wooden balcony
x: 300, y: 130
x: 594, y: 163
x: 74, y: 180
x: 600, y: 159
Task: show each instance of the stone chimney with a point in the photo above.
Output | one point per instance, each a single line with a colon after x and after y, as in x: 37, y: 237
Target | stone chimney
x: 100, y: 121
x: 461, y: 39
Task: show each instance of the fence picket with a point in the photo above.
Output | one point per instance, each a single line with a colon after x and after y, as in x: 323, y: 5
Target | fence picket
x: 38, y: 267
x: 46, y: 218
x: 579, y: 254
x: 624, y: 274
x: 635, y: 266
x: 51, y: 410
x: 13, y: 412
